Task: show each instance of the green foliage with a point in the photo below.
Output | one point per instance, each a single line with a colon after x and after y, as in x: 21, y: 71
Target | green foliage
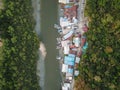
x: 100, y: 67
x: 20, y: 47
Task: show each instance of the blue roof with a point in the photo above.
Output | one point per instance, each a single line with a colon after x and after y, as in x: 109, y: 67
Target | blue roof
x: 85, y: 46
x: 71, y: 55
x: 69, y: 63
x: 69, y: 60
x: 67, y: 6
x: 70, y: 70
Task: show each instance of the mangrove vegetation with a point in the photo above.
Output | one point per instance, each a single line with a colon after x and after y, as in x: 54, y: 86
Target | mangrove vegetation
x: 19, y: 52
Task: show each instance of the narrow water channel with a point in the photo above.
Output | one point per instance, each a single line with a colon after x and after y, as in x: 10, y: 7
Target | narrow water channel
x: 49, y: 13
x: 46, y: 14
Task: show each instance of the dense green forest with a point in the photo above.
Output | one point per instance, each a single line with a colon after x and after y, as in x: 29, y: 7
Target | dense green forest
x: 19, y: 53
x: 100, y: 66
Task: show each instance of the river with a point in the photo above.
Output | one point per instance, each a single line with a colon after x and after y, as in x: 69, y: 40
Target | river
x: 49, y: 13
x: 46, y: 14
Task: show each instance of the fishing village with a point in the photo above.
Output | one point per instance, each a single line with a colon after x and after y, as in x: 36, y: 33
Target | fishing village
x: 60, y: 45
x: 71, y: 41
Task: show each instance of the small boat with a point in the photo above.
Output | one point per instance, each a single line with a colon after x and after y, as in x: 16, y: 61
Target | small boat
x: 57, y: 26
x: 58, y: 57
x: 58, y: 40
x: 58, y: 47
x: 59, y: 30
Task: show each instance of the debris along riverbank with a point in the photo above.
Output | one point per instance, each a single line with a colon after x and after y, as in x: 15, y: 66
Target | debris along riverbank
x: 71, y: 41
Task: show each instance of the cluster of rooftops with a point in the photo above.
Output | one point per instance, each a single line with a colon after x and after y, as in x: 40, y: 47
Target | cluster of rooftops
x: 70, y: 41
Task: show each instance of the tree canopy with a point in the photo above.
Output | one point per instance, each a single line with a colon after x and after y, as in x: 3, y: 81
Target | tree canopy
x: 20, y: 46
x: 100, y: 66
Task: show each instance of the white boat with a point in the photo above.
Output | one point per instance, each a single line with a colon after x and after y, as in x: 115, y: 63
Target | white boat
x: 58, y: 57
x: 57, y: 26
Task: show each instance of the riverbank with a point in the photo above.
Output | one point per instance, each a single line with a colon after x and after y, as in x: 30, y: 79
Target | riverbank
x: 43, y: 50
x: 36, y: 4
x: 71, y: 41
